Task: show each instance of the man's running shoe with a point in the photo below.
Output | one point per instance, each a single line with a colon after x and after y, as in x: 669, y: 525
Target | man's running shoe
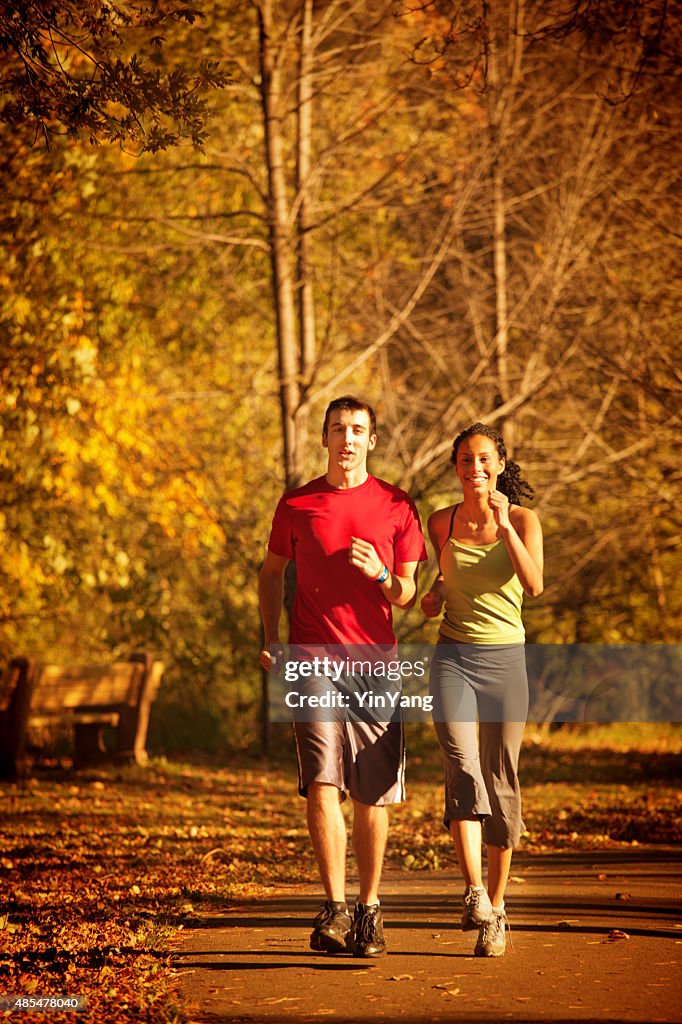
x: 367, y: 935
x: 331, y: 929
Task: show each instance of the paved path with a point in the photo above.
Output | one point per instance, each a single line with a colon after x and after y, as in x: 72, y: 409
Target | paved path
x: 252, y: 962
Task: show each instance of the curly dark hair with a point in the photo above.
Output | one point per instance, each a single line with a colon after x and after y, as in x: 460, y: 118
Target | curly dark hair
x: 510, y: 481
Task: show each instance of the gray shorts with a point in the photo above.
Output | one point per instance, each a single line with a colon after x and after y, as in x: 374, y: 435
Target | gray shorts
x: 363, y: 759
x: 487, y: 681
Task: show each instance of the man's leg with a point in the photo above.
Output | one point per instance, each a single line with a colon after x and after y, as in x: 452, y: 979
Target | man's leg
x: 327, y: 830
x: 376, y: 779
x: 370, y: 831
x: 319, y: 746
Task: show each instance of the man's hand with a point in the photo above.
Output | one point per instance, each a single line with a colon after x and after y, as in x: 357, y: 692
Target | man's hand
x: 362, y: 555
x: 272, y: 660
x: 431, y: 604
x: 270, y: 595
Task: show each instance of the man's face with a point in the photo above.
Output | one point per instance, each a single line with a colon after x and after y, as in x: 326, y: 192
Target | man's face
x: 348, y: 439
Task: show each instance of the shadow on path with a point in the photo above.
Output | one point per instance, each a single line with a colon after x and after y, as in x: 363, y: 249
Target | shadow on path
x: 579, y: 953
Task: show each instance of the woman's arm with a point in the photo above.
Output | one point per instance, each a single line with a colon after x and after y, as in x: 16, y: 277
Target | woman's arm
x: 523, y: 540
x: 432, y: 601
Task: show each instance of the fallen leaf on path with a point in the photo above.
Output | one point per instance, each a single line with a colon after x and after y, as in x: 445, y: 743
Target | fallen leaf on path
x: 214, y: 853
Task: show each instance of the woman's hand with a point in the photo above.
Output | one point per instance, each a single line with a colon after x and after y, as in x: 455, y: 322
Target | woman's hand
x: 431, y: 604
x: 499, y: 503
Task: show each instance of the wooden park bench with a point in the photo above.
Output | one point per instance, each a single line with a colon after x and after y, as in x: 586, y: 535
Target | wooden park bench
x: 87, y: 698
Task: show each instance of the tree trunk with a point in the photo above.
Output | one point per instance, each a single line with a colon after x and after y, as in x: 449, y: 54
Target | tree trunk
x: 280, y: 244
x: 503, y: 82
x: 306, y: 300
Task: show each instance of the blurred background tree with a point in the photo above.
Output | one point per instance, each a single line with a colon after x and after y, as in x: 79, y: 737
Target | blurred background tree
x: 462, y: 211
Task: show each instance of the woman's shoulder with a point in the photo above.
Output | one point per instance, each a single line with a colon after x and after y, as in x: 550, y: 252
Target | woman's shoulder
x: 521, y: 516
x: 438, y: 524
x: 441, y: 515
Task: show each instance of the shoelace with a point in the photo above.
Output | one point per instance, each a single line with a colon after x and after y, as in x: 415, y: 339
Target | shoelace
x: 473, y: 898
x: 492, y: 927
x: 366, y: 927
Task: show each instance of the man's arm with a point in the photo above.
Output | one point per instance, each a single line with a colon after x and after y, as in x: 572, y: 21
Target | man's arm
x: 400, y: 587
x: 270, y: 598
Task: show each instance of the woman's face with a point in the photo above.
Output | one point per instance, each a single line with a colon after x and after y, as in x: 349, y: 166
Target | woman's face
x: 478, y: 464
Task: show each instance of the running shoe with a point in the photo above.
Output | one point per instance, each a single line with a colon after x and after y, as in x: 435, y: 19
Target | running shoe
x: 367, y: 935
x: 477, y: 908
x: 331, y: 929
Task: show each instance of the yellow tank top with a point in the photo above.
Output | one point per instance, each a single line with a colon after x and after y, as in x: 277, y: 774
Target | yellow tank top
x: 483, y: 595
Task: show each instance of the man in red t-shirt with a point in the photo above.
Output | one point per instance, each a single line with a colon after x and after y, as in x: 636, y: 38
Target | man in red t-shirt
x: 357, y: 543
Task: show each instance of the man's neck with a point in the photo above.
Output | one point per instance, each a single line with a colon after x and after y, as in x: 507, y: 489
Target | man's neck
x: 336, y: 477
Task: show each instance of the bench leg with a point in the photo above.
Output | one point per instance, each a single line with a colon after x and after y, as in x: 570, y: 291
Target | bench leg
x: 14, y: 720
x: 89, y: 746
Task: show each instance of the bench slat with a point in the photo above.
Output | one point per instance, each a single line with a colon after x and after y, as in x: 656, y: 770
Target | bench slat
x: 58, y: 687
x: 76, y: 717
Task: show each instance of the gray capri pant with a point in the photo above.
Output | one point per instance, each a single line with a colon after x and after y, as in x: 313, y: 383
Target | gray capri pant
x: 487, y: 682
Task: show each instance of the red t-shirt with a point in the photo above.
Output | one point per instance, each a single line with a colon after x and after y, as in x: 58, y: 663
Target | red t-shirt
x: 335, y: 602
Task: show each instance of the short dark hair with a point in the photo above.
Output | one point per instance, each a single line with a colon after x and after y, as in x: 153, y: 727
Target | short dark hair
x: 350, y: 404
x: 509, y: 481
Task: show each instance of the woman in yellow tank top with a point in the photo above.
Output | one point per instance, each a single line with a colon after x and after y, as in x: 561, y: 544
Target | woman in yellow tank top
x: 489, y: 552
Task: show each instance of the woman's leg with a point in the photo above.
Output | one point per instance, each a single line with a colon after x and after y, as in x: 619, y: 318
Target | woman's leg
x: 502, y: 690
x: 499, y: 864
x: 466, y: 800
x: 454, y: 719
x: 467, y: 837
x: 503, y: 702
